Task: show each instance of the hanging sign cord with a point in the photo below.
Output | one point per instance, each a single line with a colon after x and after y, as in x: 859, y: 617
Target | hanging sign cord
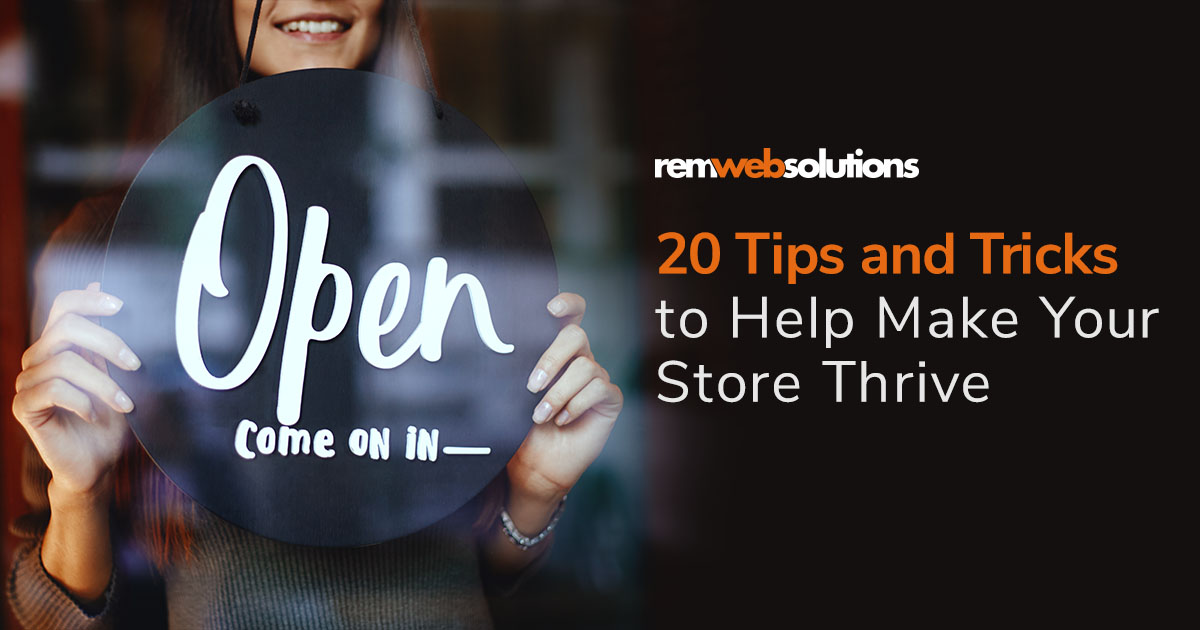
x: 416, y: 37
x: 246, y: 112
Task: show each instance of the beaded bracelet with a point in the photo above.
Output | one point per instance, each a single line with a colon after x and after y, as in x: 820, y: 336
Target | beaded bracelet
x: 520, y: 539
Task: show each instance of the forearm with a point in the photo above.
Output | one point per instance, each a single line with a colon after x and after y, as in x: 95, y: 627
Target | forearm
x: 531, y: 505
x: 77, y: 548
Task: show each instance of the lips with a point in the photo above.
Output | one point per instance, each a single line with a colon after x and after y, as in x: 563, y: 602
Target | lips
x: 315, y: 27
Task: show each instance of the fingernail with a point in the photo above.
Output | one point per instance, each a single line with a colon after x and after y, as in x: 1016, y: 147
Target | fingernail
x: 541, y: 413
x: 562, y: 418
x: 556, y: 306
x: 112, y: 303
x: 129, y: 359
x: 123, y: 402
x: 537, y: 380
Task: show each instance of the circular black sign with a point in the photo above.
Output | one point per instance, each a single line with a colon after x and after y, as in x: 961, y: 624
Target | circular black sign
x: 337, y: 307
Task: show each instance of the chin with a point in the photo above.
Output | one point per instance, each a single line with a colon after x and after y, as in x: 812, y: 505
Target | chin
x: 306, y: 63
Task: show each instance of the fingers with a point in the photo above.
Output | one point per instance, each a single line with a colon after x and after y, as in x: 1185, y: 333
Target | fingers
x: 35, y: 405
x: 579, y: 376
x: 594, y: 395
x: 73, y: 330
x: 568, y: 307
x: 571, y: 341
x: 89, y: 303
x: 584, y: 384
x: 81, y: 374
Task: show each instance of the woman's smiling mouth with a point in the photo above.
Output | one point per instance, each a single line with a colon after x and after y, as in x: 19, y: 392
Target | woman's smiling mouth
x: 315, y: 28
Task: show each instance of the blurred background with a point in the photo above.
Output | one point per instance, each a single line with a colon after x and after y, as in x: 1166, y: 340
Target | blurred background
x: 547, y: 79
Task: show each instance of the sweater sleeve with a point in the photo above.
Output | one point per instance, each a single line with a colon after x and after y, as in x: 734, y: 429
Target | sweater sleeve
x: 37, y: 600
x: 487, y: 525
x: 504, y: 585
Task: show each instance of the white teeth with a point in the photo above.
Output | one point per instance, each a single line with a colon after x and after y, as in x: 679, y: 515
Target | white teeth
x: 307, y: 26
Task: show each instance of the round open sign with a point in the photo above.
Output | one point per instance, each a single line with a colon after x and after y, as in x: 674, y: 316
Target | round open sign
x: 336, y: 306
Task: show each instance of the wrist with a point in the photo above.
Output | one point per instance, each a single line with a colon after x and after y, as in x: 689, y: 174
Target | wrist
x: 532, y: 503
x: 526, y: 541
x: 541, y: 496
x: 92, y: 500
x: 76, y: 550
x: 527, y: 485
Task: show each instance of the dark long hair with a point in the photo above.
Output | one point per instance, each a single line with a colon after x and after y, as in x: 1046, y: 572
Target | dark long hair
x: 201, y: 61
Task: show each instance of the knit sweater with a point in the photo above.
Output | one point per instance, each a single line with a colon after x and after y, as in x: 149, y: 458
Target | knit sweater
x: 234, y: 578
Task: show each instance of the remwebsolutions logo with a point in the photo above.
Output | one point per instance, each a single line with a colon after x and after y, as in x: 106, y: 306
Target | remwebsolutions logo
x: 822, y: 167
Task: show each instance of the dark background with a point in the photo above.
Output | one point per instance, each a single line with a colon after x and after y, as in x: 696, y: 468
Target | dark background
x: 1062, y: 500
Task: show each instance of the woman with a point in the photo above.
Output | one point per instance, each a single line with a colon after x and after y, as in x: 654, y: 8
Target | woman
x: 210, y: 573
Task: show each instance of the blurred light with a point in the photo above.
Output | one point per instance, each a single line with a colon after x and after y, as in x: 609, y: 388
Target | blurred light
x: 14, y: 69
x: 73, y: 164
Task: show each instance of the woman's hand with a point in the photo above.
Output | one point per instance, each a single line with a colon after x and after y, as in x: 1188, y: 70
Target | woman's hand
x: 572, y: 420
x: 75, y: 416
x: 571, y: 424
x: 69, y: 405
